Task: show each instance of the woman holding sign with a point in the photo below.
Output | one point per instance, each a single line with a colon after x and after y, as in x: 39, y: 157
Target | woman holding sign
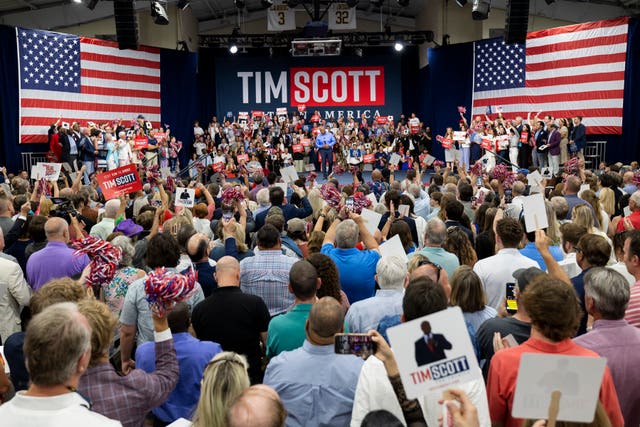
x: 526, y: 142
x: 450, y: 150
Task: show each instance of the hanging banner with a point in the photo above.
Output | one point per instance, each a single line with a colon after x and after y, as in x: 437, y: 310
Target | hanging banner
x: 281, y: 17
x: 341, y: 17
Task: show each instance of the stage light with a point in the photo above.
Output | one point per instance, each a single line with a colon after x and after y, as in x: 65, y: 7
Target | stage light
x: 233, y: 48
x: 480, y: 10
x: 92, y: 4
x: 399, y: 44
x: 158, y: 13
x: 239, y: 4
x: 403, y: 3
x: 77, y: 1
x: 183, y: 4
x: 461, y: 3
x: 267, y: 3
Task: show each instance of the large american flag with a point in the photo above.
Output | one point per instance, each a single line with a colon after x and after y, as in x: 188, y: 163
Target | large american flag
x: 566, y: 71
x: 83, y: 79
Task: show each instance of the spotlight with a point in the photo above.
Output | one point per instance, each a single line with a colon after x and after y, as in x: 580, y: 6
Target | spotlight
x: 352, y: 3
x: 461, y: 3
x: 233, y: 48
x: 403, y: 3
x: 92, y: 4
x: 267, y: 3
x: 399, y: 44
x: 77, y: 1
x: 239, y: 4
x: 480, y: 10
x: 158, y: 13
x: 183, y: 4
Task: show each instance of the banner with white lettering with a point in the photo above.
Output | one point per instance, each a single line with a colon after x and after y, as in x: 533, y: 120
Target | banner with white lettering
x: 343, y: 87
x: 341, y: 17
x: 281, y: 17
x: 119, y: 181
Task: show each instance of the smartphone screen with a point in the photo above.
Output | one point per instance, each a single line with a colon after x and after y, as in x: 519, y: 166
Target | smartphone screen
x: 479, y: 181
x: 349, y: 204
x: 227, y: 214
x: 512, y: 305
x: 357, y: 344
x: 508, y: 197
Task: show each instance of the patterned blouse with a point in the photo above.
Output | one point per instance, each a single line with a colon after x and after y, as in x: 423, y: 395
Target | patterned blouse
x: 114, y: 291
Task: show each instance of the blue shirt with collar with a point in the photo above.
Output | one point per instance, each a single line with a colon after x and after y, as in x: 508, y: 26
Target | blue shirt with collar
x: 358, y: 283
x: 530, y: 251
x: 325, y: 140
x: 316, y: 385
x: 193, y: 357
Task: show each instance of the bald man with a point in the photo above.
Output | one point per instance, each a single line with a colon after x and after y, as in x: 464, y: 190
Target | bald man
x: 257, y: 406
x: 316, y: 385
x: 55, y: 260
x: 198, y: 247
x: 235, y: 320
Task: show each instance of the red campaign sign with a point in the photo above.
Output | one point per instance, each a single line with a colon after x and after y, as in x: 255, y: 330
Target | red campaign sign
x: 447, y: 143
x: 298, y: 148
x: 487, y: 143
x: 382, y: 120
x: 257, y: 113
x: 305, y: 142
x: 140, y: 143
x: 415, y: 129
x: 160, y: 136
x: 242, y: 158
x: 337, y: 86
x: 302, y: 108
x: 524, y: 137
x: 119, y: 181
x: 369, y: 158
x: 218, y: 167
x: 315, y: 131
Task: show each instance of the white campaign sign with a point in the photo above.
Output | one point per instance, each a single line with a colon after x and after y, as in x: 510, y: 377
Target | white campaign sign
x: 393, y: 247
x: 185, y: 197
x: 371, y: 220
x: 51, y: 170
x: 434, y: 352
x: 535, y: 214
x: 578, y: 380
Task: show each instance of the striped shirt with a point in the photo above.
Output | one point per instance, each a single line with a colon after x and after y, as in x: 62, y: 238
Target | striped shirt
x: 633, y: 309
x: 267, y: 275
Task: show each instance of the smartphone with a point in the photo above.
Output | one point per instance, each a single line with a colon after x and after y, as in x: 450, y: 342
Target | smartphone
x: 512, y: 304
x: 479, y: 181
x: 508, y: 197
x: 349, y: 204
x: 227, y: 214
x: 357, y: 344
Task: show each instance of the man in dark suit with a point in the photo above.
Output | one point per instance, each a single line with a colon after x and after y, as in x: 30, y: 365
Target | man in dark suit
x: 578, y: 135
x: 69, y: 147
x: 276, y: 196
x: 540, y: 153
x: 430, y: 347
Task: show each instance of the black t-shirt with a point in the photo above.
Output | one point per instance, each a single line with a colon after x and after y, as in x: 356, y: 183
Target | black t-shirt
x: 234, y: 320
x: 521, y: 331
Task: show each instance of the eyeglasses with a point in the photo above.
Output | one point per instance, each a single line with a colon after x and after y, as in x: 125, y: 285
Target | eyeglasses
x: 437, y: 267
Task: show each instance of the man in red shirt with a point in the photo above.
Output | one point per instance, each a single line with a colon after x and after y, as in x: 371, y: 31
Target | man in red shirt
x: 634, y: 206
x: 555, y: 314
x: 632, y: 261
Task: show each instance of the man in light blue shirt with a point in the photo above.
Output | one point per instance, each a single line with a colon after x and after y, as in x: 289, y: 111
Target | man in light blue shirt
x: 325, y: 142
x: 316, y: 385
x: 421, y: 201
x: 391, y: 274
x: 433, y: 240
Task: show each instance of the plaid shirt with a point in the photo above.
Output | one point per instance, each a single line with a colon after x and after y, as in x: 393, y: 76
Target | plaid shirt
x: 267, y: 275
x: 128, y: 399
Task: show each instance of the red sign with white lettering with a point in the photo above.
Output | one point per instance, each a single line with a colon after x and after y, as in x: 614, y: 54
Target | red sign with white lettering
x: 119, y: 181
x: 337, y: 86
x: 298, y: 148
x: 141, y: 142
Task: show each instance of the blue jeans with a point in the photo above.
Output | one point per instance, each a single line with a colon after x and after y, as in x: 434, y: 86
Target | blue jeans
x: 326, y: 158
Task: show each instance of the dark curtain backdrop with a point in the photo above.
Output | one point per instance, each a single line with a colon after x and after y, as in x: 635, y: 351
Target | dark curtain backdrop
x: 449, y: 79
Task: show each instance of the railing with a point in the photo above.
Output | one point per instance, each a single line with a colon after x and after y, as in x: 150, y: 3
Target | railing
x: 594, y: 153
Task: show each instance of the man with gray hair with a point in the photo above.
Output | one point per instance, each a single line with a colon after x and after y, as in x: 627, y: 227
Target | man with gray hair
x: 357, y: 268
x: 55, y: 361
x: 264, y: 203
x: 612, y: 337
x: 634, y: 217
x: 108, y: 223
x: 421, y: 200
x: 514, y: 209
x: 391, y: 276
x: 433, y: 239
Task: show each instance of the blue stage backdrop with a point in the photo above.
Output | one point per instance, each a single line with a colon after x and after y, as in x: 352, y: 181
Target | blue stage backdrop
x: 178, y: 98
x: 336, y: 86
x: 449, y: 78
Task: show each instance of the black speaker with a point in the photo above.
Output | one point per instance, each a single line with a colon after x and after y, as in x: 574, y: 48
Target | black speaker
x: 126, y: 23
x: 516, y: 21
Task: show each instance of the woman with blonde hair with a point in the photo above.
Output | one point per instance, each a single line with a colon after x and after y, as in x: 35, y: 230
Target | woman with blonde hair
x: 607, y: 200
x: 582, y: 215
x: 601, y: 215
x: 225, y: 378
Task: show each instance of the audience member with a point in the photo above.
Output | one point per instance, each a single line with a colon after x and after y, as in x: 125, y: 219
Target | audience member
x: 434, y: 238
x: 257, y: 406
x: 467, y: 293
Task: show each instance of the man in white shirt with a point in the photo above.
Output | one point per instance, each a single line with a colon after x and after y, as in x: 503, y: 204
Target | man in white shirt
x: 497, y: 270
x: 374, y: 391
x: 571, y: 234
x: 56, y: 362
x: 514, y: 209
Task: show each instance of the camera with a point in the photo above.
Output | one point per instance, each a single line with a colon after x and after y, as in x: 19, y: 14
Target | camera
x: 63, y: 208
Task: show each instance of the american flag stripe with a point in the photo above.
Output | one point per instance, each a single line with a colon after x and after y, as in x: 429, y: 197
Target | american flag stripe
x: 569, y: 71
x: 109, y: 84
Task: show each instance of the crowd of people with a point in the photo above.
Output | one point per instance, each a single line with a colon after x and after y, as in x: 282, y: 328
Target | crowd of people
x: 139, y: 311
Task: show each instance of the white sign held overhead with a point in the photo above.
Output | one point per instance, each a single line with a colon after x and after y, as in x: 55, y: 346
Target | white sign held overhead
x: 393, y: 247
x: 371, y: 220
x: 185, y: 197
x: 289, y: 174
x: 535, y: 214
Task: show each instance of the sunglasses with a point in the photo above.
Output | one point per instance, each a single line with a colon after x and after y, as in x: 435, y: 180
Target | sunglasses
x: 437, y: 267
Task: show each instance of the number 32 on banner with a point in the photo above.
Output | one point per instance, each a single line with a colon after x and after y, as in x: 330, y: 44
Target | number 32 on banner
x: 341, y: 17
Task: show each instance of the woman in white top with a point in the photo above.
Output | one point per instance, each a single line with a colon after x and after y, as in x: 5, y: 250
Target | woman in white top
x: 124, y: 150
